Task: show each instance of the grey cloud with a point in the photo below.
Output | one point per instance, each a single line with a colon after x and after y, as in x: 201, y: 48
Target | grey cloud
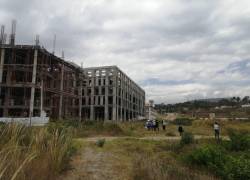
x: 174, y: 49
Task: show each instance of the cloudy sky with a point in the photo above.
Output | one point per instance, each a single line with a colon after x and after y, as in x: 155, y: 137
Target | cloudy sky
x: 177, y: 50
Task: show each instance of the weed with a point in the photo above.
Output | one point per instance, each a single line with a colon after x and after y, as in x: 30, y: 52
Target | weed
x: 100, y: 142
x: 239, y: 140
x: 187, y: 138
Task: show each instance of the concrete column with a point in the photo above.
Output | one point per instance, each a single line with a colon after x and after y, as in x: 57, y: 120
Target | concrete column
x: 114, y: 109
x: 125, y: 100
x: 101, y: 100
x: 80, y: 101
x: 92, y: 117
x: 1, y: 64
x: 61, y: 92
x: 32, y: 96
x: 106, y: 106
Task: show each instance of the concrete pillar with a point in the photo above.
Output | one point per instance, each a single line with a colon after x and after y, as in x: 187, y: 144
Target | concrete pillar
x: 1, y: 64
x: 61, y: 92
x: 32, y: 96
x: 114, y: 109
x: 92, y: 116
x: 80, y: 101
x: 106, y: 107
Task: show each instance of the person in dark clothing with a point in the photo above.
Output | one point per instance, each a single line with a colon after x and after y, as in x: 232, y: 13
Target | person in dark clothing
x: 181, y: 130
x: 157, y: 125
x: 164, y: 123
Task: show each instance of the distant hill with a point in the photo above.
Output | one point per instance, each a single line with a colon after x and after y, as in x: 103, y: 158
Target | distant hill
x: 211, y: 100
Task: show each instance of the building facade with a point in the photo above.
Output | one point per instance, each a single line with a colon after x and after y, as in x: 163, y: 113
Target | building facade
x: 30, y: 73
x: 34, y: 81
x: 109, y: 94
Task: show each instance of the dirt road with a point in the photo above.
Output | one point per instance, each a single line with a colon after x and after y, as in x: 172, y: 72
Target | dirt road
x: 156, y: 138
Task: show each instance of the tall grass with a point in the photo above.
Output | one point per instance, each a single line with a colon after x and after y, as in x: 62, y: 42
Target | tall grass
x: 33, y: 153
x: 150, y: 167
x: 89, y: 128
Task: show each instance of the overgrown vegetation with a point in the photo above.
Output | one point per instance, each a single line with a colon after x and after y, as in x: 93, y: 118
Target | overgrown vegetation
x: 151, y: 160
x: 33, y: 153
x: 89, y: 128
x: 229, y: 160
x: 239, y: 140
x: 187, y: 138
x: 100, y: 142
x: 183, y: 121
x: 43, y: 153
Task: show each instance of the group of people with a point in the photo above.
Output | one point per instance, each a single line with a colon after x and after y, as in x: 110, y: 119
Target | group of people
x: 154, y: 125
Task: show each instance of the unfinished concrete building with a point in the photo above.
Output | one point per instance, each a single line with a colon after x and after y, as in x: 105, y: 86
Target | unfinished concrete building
x: 29, y: 74
x: 108, y: 94
x: 33, y: 80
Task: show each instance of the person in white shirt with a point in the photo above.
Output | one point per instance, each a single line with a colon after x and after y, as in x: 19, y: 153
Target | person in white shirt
x: 216, y: 131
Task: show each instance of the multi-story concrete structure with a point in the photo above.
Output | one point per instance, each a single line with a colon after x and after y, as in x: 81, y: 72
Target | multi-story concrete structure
x: 29, y: 74
x: 108, y: 94
x: 33, y: 80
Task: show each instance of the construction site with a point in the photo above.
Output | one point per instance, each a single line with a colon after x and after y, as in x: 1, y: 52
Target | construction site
x: 34, y: 81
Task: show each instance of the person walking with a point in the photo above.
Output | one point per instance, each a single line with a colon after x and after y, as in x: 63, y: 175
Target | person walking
x: 216, y: 131
x: 181, y: 130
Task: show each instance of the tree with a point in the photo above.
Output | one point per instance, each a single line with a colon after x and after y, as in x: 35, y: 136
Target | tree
x: 245, y: 100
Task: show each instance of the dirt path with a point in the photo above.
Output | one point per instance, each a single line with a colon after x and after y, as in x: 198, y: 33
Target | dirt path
x: 156, y: 138
x: 95, y: 164
x: 91, y: 164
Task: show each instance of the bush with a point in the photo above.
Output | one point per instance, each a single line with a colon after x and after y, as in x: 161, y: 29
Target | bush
x: 239, y: 140
x: 216, y: 159
x: 100, y: 142
x: 187, y: 138
x: 240, y: 168
x: 183, y: 121
x: 209, y: 156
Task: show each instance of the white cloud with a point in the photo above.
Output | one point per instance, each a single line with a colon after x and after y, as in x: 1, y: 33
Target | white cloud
x: 177, y: 50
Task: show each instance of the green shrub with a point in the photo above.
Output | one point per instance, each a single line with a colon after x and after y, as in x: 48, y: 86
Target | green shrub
x: 183, y: 121
x: 187, y: 138
x: 240, y: 168
x: 216, y: 159
x: 212, y: 157
x: 100, y: 142
x: 239, y: 140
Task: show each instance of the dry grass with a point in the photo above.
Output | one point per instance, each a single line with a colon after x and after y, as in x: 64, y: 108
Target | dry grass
x: 198, y: 127
x: 27, y: 153
x: 152, y: 160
